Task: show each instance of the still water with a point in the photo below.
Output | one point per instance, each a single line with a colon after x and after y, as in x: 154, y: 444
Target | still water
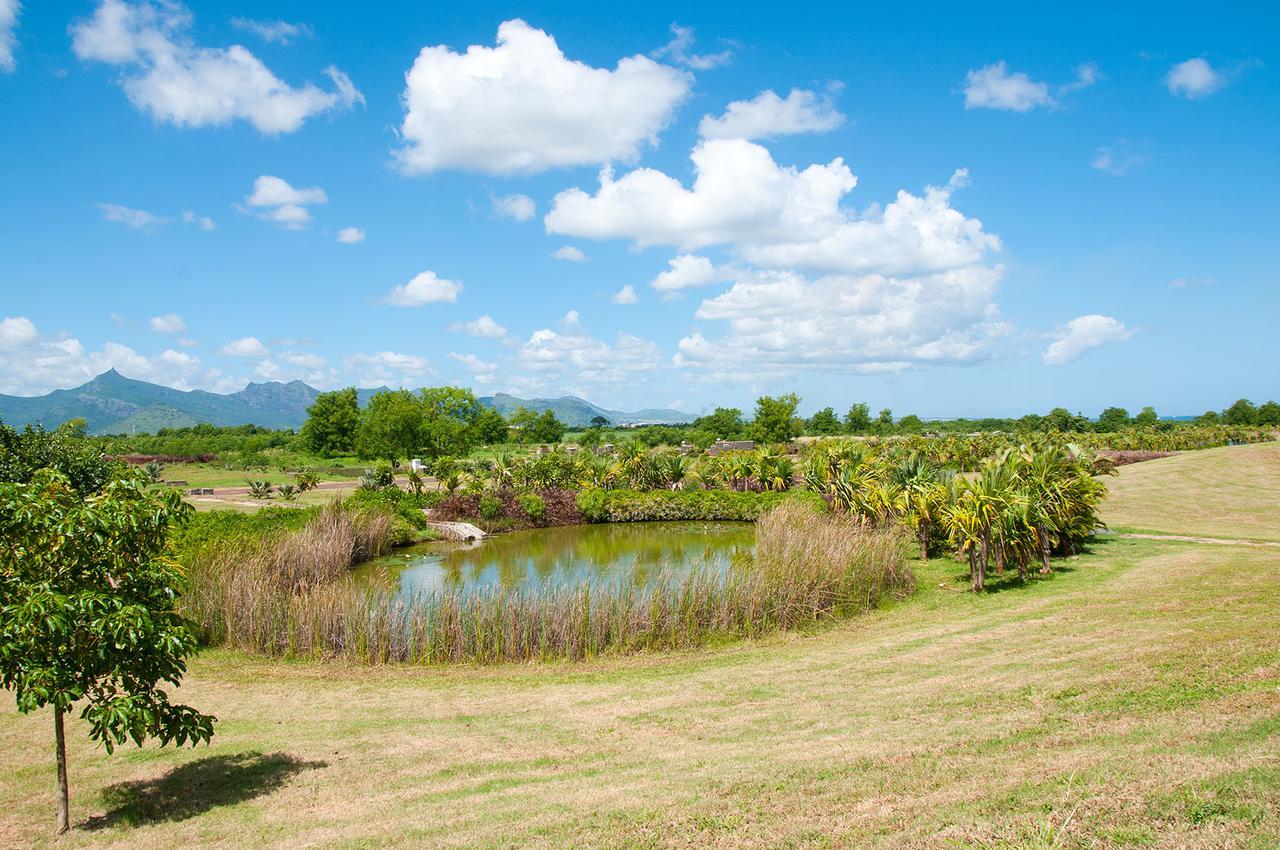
x: 635, y: 553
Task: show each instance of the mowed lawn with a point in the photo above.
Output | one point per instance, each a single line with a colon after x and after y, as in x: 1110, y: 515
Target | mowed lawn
x: 1131, y: 700
x: 1228, y: 492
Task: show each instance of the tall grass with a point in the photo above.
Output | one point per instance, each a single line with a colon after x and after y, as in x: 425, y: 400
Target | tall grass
x: 810, y: 566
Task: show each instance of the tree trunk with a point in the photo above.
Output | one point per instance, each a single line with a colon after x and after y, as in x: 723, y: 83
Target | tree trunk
x: 1044, y: 552
x: 64, y: 822
x: 923, y: 536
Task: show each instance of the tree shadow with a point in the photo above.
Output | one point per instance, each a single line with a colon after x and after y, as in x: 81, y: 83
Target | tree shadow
x: 196, y: 787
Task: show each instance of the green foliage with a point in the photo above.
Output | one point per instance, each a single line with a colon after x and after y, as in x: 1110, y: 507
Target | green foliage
x: 259, y: 489
x: 379, y: 477
x: 449, y: 421
x: 24, y: 453
x: 638, y: 506
x: 1113, y: 419
x: 88, y: 609
x: 490, y: 506
x: 288, y: 492
x: 1242, y: 412
x: 824, y: 422
x: 1146, y: 418
x: 775, y: 419
x: 490, y: 427
x: 332, y: 421
x: 858, y: 419
x: 391, y: 427
x: 306, y: 480
x: 1268, y: 414
x: 533, y: 505
x: 533, y: 427
x: 724, y: 423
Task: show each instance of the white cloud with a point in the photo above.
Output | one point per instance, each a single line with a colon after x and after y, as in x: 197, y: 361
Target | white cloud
x: 425, y: 288
x: 1118, y: 159
x: 1084, y: 333
x: 278, y: 32
x: 351, y: 235
x: 169, y: 323
x: 130, y: 217
x: 782, y: 322
x: 678, y: 51
x: 1086, y: 75
x: 304, y: 359
x: 523, y: 107
x: 248, y: 346
x: 16, y: 331
x: 32, y: 364
x: 1191, y: 282
x: 282, y: 203
x: 202, y: 221
x: 767, y: 116
x: 775, y: 216
x: 1194, y: 78
x: 386, y: 367
x: 569, y: 253
x: 993, y: 87
x: 9, y: 10
x: 171, y: 78
x: 686, y: 270
x: 482, y: 371
x: 517, y: 206
x: 625, y: 295
x: 571, y: 352
x: 484, y: 327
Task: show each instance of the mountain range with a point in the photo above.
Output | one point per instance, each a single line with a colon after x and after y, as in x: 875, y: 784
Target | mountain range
x: 114, y: 404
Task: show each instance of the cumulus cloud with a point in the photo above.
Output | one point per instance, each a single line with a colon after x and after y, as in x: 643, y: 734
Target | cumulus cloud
x: 572, y: 352
x: 201, y: 221
x: 278, y: 32
x: 626, y: 295
x: 249, y: 346
x: 386, y: 367
x: 9, y: 10
x: 570, y: 254
x: 32, y: 363
x: 775, y: 216
x: 169, y: 323
x: 351, y: 235
x: 482, y: 371
x: 484, y: 327
x: 517, y: 206
x: 279, y: 202
x: 1084, y: 333
x: 679, y: 50
x: 767, y: 116
x: 1194, y: 79
x: 130, y: 217
x: 168, y: 76
x: 425, y: 288
x: 993, y: 87
x: 685, y: 271
x: 524, y: 107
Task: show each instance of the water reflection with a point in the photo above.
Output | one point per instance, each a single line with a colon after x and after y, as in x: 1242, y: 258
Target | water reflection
x: 632, y: 553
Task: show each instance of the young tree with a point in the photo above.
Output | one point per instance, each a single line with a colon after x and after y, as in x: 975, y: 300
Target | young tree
x: 448, y: 416
x: 775, y: 420
x: 1269, y: 413
x: 332, y: 421
x: 884, y: 421
x: 1147, y: 417
x: 546, y: 428
x: 824, y: 422
x: 599, y: 422
x: 88, y: 613
x: 911, y: 424
x: 724, y: 422
x: 390, y: 427
x: 858, y: 419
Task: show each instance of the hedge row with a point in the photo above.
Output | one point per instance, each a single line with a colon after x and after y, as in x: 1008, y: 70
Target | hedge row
x: 644, y: 506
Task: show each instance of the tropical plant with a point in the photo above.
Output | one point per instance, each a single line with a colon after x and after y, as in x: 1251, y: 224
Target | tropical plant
x: 258, y: 489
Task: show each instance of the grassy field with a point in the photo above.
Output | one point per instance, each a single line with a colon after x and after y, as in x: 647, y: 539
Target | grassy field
x: 1131, y: 700
x: 1227, y: 492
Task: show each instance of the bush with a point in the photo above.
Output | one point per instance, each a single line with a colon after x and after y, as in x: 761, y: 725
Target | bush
x: 533, y: 505
x: 659, y: 505
x: 490, y: 506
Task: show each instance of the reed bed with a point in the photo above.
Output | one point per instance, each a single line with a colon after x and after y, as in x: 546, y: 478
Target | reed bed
x: 810, y: 566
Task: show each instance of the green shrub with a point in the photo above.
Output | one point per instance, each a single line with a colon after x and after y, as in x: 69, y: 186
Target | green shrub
x: 644, y: 506
x: 594, y: 505
x: 490, y: 506
x: 533, y: 505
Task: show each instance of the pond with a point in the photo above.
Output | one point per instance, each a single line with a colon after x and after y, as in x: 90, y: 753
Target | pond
x: 636, y: 553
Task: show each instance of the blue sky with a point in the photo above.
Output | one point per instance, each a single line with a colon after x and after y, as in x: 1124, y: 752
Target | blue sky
x: 945, y: 212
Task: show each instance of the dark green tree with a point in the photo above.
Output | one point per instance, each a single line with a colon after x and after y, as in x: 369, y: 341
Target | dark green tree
x: 88, y: 612
x: 1269, y: 413
x: 490, y: 427
x: 1113, y: 419
x: 775, y: 420
x: 1147, y: 417
x: 824, y: 422
x: 1241, y: 413
x: 390, y: 427
x: 725, y: 423
x: 545, y: 428
x: 599, y: 422
x: 858, y: 419
x: 332, y: 421
x: 449, y: 415
x: 24, y: 453
x: 884, y: 421
x: 911, y: 424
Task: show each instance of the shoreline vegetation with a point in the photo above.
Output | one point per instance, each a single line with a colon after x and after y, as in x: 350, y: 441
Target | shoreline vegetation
x: 291, y: 595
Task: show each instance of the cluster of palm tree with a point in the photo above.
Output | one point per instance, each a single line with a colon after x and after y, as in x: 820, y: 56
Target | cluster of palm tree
x: 1021, y: 505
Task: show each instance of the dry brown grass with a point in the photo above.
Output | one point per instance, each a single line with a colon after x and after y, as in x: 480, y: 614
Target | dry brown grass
x: 1228, y: 492
x: 1131, y: 700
